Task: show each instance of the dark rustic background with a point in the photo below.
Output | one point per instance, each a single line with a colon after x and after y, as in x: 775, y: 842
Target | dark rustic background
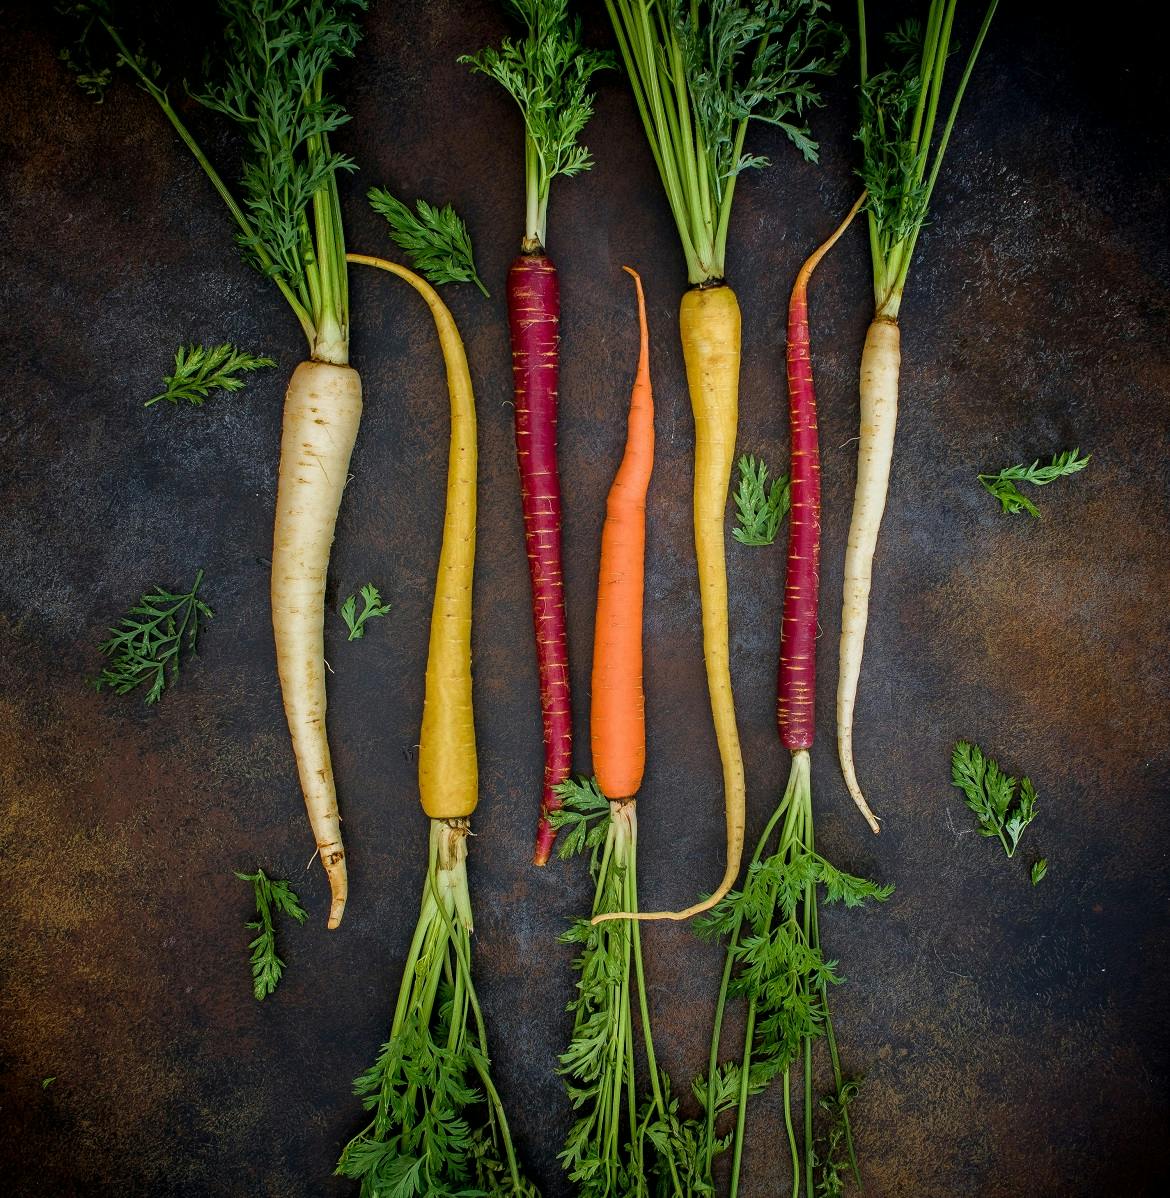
x: 1014, y: 1039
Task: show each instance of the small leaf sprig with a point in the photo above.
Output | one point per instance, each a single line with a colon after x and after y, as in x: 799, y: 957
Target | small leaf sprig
x: 832, y: 1161
x: 200, y: 371
x: 991, y: 795
x: 435, y: 239
x: 1039, y: 871
x: 372, y: 607
x: 1012, y: 499
x: 150, y: 642
x: 759, y: 507
x: 271, y: 896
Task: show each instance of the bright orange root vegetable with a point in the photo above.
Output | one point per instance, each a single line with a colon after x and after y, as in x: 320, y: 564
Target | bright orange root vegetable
x: 617, y: 723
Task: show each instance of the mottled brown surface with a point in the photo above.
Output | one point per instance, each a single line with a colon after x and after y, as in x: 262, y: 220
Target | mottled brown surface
x: 1014, y: 1039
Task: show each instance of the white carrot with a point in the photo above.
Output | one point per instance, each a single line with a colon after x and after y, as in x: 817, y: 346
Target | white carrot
x: 900, y: 167
x: 322, y: 408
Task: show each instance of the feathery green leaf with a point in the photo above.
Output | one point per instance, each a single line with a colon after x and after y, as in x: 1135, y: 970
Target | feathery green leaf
x: 548, y: 73
x: 435, y: 239
x: 200, y: 371
x: 1012, y: 499
x: 271, y: 896
x: 760, y: 508
x: 151, y: 641
x: 372, y: 607
x: 991, y: 795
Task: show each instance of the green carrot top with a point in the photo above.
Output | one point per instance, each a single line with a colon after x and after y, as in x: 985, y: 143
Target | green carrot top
x: 701, y: 70
x: 275, y: 59
x: 899, y: 110
x: 547, y: 73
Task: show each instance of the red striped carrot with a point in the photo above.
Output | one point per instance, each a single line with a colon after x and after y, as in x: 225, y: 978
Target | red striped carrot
x: 534, y: 315
x: 796, y: 683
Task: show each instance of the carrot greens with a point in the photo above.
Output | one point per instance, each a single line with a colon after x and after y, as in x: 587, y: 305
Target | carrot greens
x: 372, y: 607
x: 616, y: 1145
x: 437, y: 1125
x: 435, y: 239
x: 776, y: 965
x: 992, y: 795
x: 152, y: 640
x: 272, y: 896
x: 700, y: 73
x: 1012, y: 500
x: 759, y: 507
x: 200, y: 371
x: 901, y: 157
x: 548, y: 73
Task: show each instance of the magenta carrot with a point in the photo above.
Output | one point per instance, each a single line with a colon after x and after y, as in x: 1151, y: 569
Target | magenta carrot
x: 534, y: 315
x: 796, y: 682
x: 547, y: 73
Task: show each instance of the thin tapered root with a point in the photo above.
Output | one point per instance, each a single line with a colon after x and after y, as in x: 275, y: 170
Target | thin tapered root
x: 845, y: 755
x: 880, y: 366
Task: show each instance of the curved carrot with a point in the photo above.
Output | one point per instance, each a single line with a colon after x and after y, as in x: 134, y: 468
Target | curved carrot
x: 617, y: 723
x: 448, y: 770
x: 796, y: 682
x: 322, y: 409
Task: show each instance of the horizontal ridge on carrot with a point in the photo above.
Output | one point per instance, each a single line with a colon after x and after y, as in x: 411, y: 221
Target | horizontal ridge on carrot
x: 548, y: 74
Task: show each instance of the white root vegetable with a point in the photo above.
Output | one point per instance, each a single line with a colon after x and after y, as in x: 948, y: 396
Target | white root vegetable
x: 322, y: 409
x: 881, y: 362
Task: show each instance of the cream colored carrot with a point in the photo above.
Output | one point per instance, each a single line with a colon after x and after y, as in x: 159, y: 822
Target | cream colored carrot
x: 322, y: 409
x: 880, y: 363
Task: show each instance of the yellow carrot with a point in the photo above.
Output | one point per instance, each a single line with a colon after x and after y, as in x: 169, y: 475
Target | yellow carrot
x: 448, y: 770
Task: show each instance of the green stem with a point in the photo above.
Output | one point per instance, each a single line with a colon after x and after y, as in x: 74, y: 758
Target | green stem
x: 793, y: 1151
x: 237, y: 213
x: 721, y: 1002
x: 533, y: 229
x: 741, y: 1108
x: 461, y: 943
x: 946, y: 135
x: 643, y: 1004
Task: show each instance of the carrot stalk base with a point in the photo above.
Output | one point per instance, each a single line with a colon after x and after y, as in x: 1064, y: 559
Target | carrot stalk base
x: 437, y: 1018
x: 786, y: 993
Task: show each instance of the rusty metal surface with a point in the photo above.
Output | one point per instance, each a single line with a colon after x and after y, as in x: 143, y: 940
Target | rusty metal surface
x: 1014, y: 1039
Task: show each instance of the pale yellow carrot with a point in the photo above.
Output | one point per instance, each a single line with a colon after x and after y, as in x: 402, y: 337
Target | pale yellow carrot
x: 880, y: 363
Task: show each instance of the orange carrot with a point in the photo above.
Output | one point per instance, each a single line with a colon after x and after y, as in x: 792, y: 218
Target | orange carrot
x: 617, y: 724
